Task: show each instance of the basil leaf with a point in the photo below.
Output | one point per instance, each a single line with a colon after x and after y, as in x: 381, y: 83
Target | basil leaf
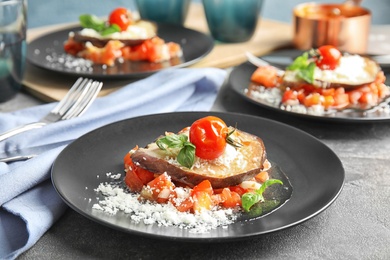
x: 300, y: 62
x: 268, y: 183
x: 171, y: 141
x: 109, y: 30
x: 304, y: 66
x: 307, y: 74
x: 251, y: 198
x: 186, y: 156
x: 92, y: 22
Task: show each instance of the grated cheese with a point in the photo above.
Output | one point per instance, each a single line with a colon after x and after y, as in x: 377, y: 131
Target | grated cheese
x: 117, y: 198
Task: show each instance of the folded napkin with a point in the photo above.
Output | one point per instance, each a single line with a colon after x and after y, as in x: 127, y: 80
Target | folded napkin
x: 29, y: 203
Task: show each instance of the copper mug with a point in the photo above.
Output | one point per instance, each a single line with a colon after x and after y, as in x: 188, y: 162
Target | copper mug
x: 345, y: 26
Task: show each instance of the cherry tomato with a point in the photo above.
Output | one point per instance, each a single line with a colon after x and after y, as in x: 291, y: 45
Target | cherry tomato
x: 209, y: 134
x: 121, y: 17
x: 329, y: 57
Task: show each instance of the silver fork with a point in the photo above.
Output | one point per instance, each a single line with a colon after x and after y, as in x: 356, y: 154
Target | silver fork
x: 79, y: 97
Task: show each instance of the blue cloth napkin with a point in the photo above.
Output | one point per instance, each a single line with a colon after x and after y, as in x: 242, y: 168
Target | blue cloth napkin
x: 29, y: 203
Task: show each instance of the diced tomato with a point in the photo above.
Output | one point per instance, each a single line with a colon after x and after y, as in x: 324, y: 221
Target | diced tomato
x: 230, y: 199
x: 155, y: 189
x: 73, y: 47
x: 367, y: 98
x: 204, y: 186
x: 312, y: 99
x: 354, y: 96
x: 289, y: 95
x: 383, y: 90
x: 133, y: 181
x: 341, y: 100
x: 238, y: 189
x: 202, y: 201
x: 262, y: 177
x: 127, y: 160
x: 328, y: 91
x: 142, y: 175
x: 266, y: 76
x: 328, y: 101
x: 186, y: 205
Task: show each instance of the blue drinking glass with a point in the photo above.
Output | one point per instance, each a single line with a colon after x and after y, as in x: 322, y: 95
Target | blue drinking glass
x: 13, y: 23
x: 232, y: 20
x: 164, y: 11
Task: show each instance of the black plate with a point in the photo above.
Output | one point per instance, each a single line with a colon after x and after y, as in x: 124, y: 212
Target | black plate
x: 239, y: 81
x: 313, y: 169
x: 195, y: 46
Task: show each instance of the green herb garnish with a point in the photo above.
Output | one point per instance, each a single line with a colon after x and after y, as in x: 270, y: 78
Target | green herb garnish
x: 97, y: 24
x: 173, y: 142
x: 251, y: 198
x: 304, y: 67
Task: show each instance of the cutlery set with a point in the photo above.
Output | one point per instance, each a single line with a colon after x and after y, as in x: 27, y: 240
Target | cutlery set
x: 77, y: 100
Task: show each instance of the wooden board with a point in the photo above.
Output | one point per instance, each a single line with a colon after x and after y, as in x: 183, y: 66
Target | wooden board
x: 269, y: 36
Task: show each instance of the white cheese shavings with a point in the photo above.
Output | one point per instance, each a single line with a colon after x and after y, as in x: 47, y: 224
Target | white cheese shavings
x: 118, y: 199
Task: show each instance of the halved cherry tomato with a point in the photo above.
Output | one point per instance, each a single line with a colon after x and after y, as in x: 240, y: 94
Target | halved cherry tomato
x: 121, y: 17
x: 328, y: 58
x: 209, y: 134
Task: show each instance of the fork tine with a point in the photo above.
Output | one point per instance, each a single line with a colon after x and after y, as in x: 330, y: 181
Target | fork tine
x: 84, y: 101
x: 65, y: 100
x: 78, y: 93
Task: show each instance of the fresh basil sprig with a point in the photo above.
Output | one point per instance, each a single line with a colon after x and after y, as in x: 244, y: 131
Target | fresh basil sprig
x: 186, y: 155
x: 99, y: 25
x: 251, y: 198
x: 304, y: 67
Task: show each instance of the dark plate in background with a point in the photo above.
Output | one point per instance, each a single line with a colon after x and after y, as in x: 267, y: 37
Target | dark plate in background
x: 195, y: 46
x: 239, y: 81
x: 310, y: 165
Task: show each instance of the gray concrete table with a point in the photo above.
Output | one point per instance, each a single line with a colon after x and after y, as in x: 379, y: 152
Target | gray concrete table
x: 355, y: 226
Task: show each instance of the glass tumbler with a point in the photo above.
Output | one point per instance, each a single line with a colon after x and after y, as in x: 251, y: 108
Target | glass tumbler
x: 13, y: 22
x: 232, y: 20
x: 164, y: 11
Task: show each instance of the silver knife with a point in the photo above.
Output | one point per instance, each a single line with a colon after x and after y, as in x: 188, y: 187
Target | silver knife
x: 29, y: 152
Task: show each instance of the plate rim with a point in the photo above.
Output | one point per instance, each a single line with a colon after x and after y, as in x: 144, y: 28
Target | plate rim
x: 323, y: 207
x: 32, y: 61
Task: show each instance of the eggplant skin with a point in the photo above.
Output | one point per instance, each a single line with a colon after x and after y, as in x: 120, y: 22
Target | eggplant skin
x: 153, y: 159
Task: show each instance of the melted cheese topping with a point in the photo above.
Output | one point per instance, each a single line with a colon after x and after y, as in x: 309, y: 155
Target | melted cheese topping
x: 353, y: 70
